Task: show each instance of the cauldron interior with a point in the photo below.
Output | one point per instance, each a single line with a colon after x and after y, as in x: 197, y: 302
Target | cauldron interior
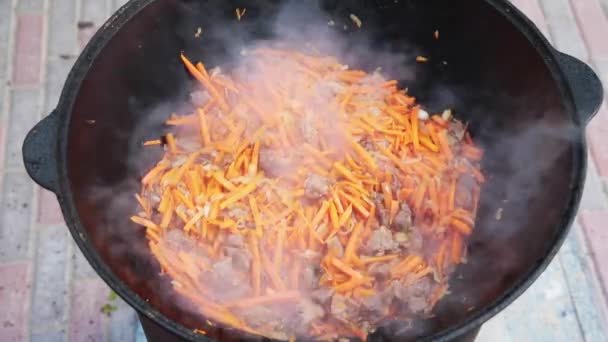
x: 489, y: 72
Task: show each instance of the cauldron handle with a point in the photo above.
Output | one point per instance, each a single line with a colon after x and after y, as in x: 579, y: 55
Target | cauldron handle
x: 39, y: 152
x: 585, y: 85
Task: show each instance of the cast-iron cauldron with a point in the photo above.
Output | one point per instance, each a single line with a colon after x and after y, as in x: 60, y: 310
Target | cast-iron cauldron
x: 526, y: 104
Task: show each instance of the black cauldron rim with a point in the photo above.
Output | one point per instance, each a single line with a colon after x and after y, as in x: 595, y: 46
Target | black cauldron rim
x: 45, y: 157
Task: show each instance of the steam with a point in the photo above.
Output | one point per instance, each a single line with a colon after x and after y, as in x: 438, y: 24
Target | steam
x: 518, y: 175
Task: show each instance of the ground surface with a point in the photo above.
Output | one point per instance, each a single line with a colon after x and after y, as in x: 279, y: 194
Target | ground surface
x: 49, y: 293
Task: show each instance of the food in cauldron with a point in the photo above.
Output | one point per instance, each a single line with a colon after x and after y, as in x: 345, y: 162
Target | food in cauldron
x: 305, y: 198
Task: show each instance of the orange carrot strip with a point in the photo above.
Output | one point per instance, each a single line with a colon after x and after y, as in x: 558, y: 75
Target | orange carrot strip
x: 256, y: 265
x: 219, y: 177
x: 456, y: 256
x: 278, y: 251
x: 320, y: 214
x: 144, y: 222
x: 204, y: 128
x: 353, y: 242
x: 206, y: 83
x: 443, y: 143
x: 415, y: 138
x: 346, y: 215
x: 276, y: 280
x: 155, y: 172
x: 461, y: 227
x: 152, y: 142
x: 193, y: 221
x: 238, y: 194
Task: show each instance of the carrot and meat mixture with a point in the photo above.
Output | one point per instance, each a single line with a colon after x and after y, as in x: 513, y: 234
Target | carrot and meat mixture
x: 304, y: 198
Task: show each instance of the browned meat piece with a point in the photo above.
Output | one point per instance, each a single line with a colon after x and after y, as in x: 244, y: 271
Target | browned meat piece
x: 235, y: 240
x: 316, y: 186
x: 381, y: 241
x: 258, y: 315
x: 273, y: 164
x: 237, y: 213
x: 310, y: 277
x: 379, y: 270
x: 456, y: 131
x: 241, y: 259
x: 176, y: 240
x: 309, y: 312
x: 308, y: 129
x: 200, y: 98
x: 378, y: 304
x: 344, y: 309
x: 322, y: 295
x: 465, y: 186
x: 382, y: 214
x: 226, y: 282
x: 335, y: 247
x: 403, y: 218
x: 414, y: 296
x: 412, y: 240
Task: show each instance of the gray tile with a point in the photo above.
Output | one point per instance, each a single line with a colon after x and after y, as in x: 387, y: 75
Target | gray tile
x: 545, y: 312
x: 123, y: 323
x: 57, y: 72
x: 30, y: 6
x: 96, y: 11
x: 15, y: 216
x: 594, y: 198
x: 53, y: 336
x: 82, y: 268
x: 5, y: 33
x: 62, y: 28
x: 23, y: 115
x: 563, y: 28
x: 583, y: 286
x: 50, y: 298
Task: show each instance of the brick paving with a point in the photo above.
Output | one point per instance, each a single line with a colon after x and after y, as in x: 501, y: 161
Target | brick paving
x: 48, y: 292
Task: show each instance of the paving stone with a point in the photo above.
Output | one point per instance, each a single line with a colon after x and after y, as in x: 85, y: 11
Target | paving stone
x: 86, y: 321
x: 563, y: 28
x: 54, y: 336
x: 23, y: 115
x: 594, y: 26
x: 28, y: 45
x: 531, y: 8
x: 583, y: 286
x: 15, y: 216
x: 593, y: 223
x: 597, y: 132
x: 5, y: 33
x: 51, y: 290
x: 15, y: 288
x: 30, y: 6
x: 123, y: 323
x: 82, y: 268
x: 57, y: 72
x: 62, y: 29
x: 49, y: 211
x: 95, y: 11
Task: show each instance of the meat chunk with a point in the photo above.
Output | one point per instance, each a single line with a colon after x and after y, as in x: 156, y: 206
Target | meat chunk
x: 403, y: 218
x: 415, y: 296
x: 316, y: 186
x: 273, y: 164
x: 344, y: 309
x: 241, y: 258
x: 378, y: 304
x: 465, y: 186
x: 322, y: 295
x: 258, y: 315
x: 309, y: 312
x: 456, y: 131
x: 226, y: 282
x: 381, y: 241
x: 310, y: 277
x: 334, y: 246
x: 379, y: 270
x: 200, y: 98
